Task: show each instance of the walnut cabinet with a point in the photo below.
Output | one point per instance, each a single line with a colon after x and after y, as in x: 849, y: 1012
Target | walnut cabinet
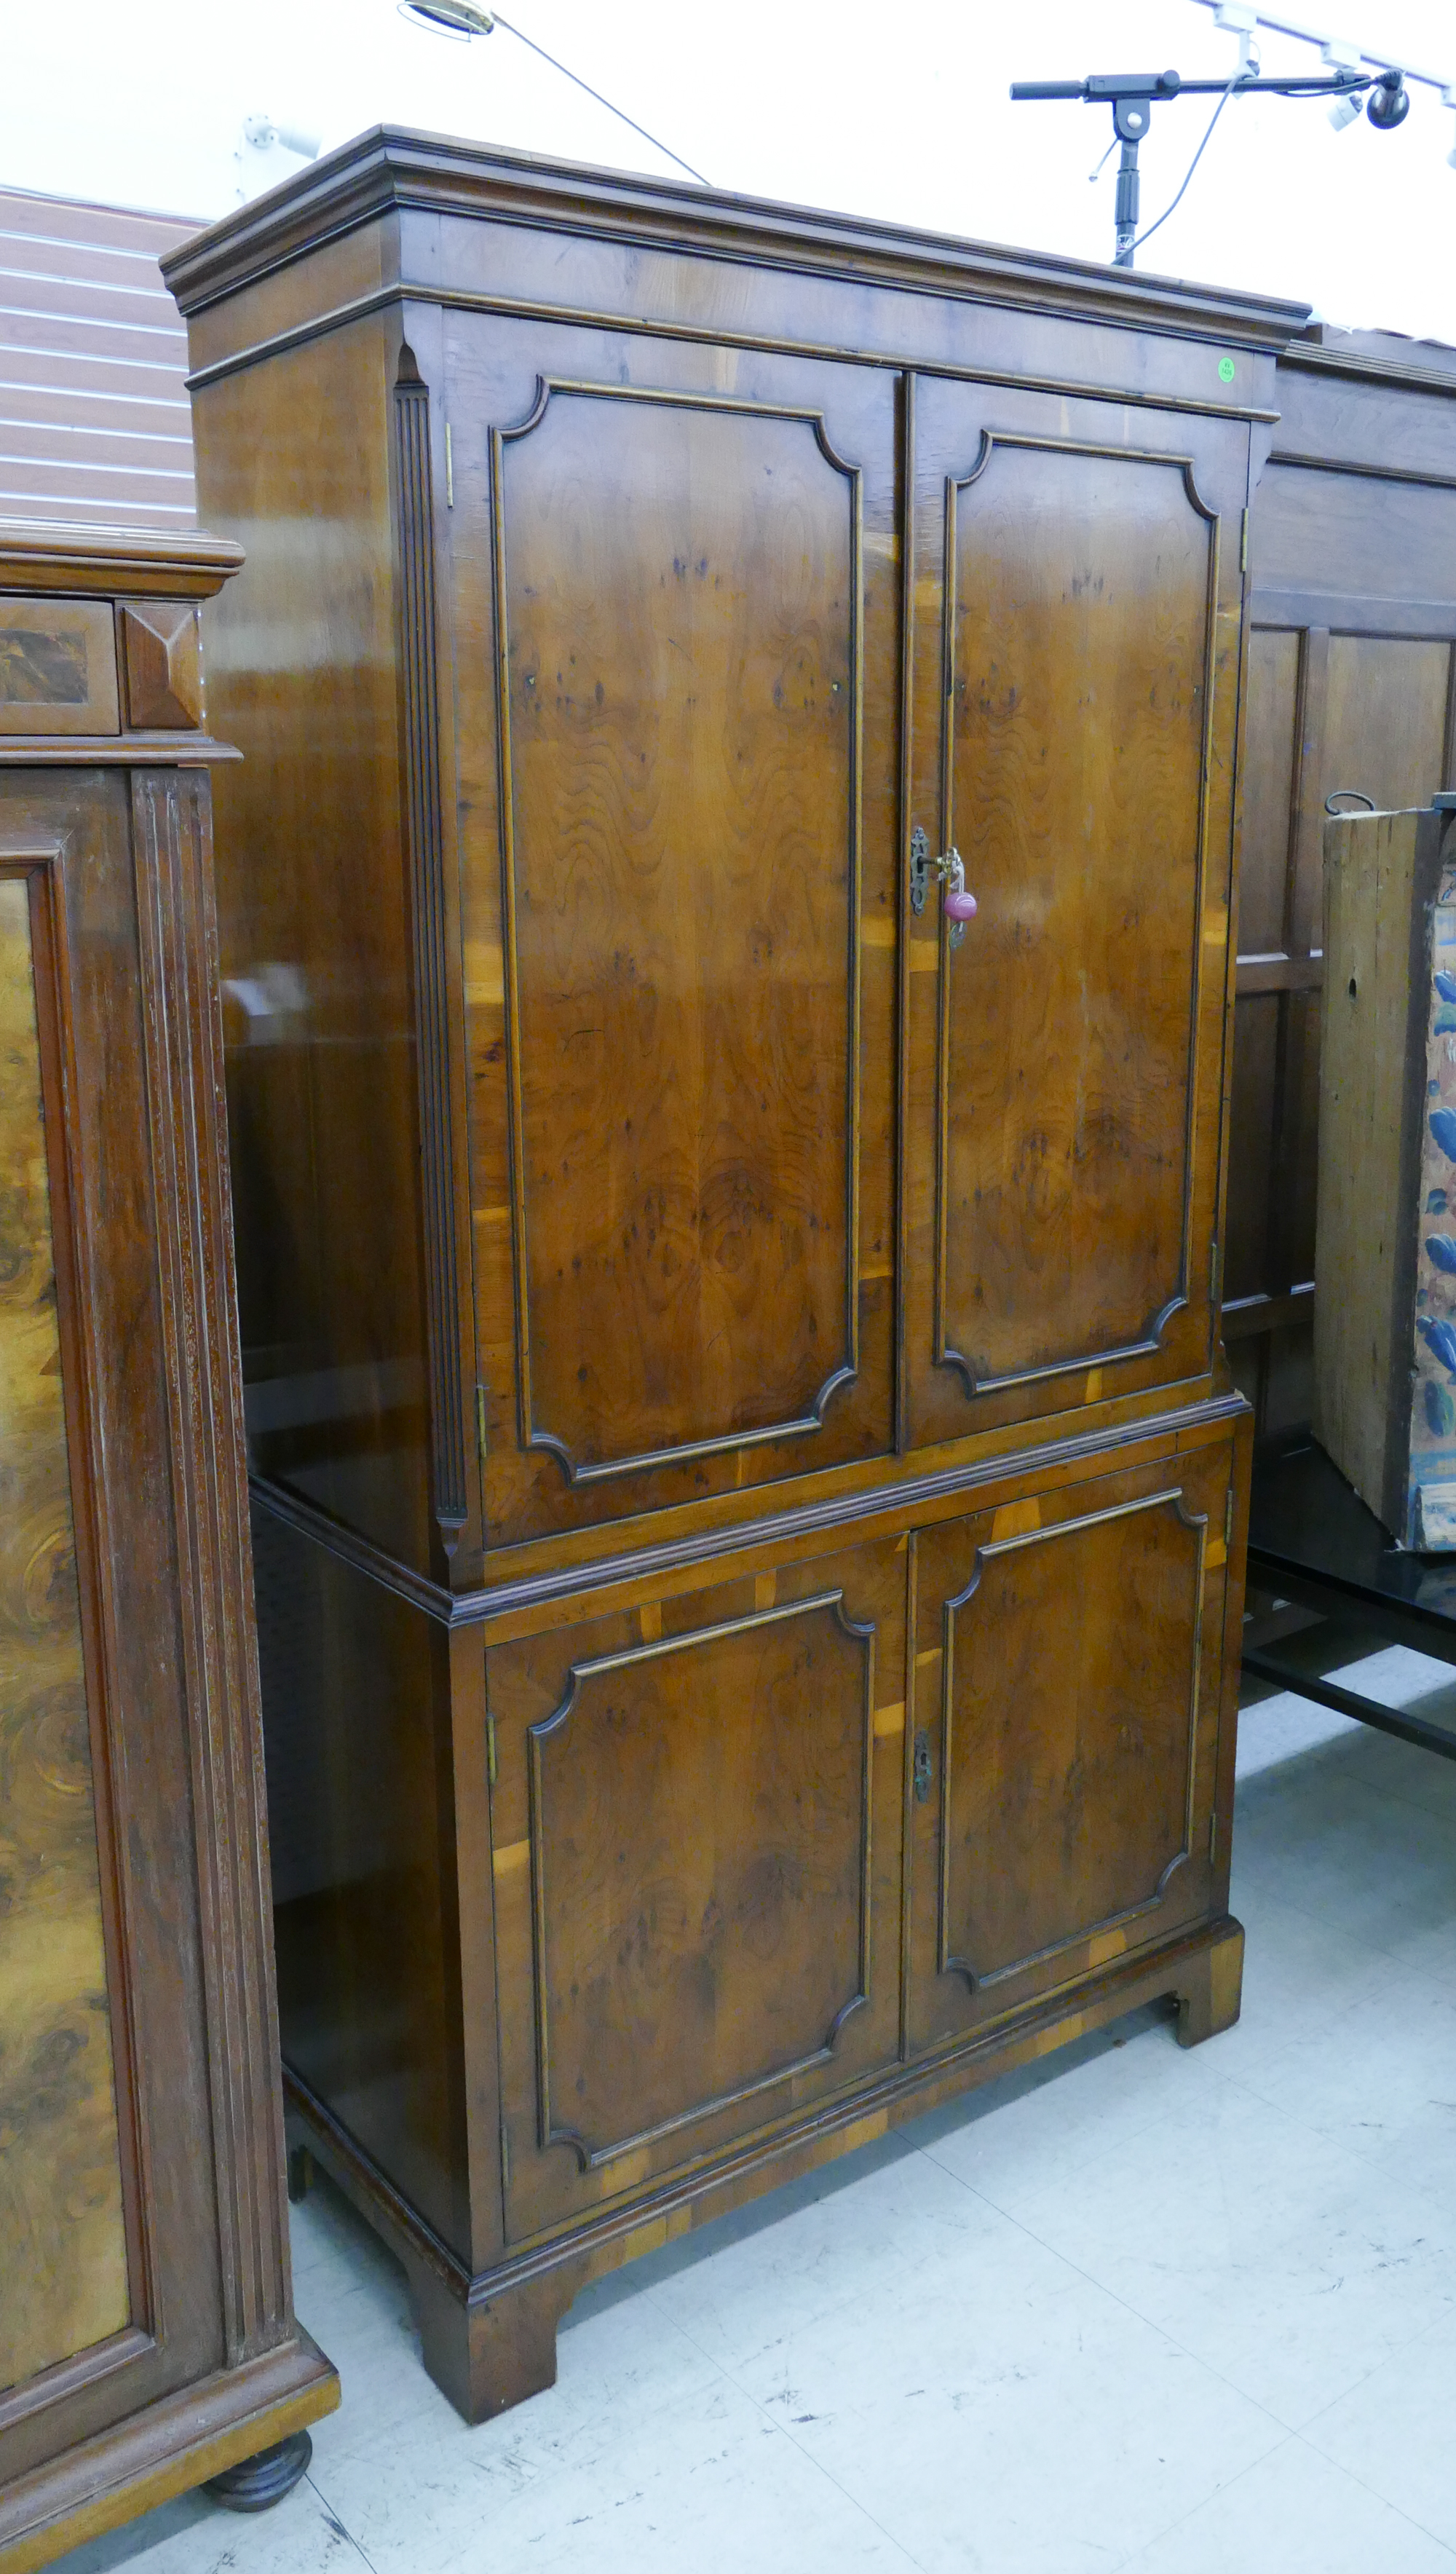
x: 147, y: 2338
x: 749, y: 1498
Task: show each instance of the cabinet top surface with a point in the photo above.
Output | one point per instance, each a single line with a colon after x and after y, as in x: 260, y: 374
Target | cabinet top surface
x: 393, y: 171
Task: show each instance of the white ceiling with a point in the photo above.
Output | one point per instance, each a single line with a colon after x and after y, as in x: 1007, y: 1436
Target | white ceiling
x: 898, y: 111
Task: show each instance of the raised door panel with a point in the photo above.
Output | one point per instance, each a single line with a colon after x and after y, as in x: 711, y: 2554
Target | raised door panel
x: 1076, y: 663
x: 1067, y: 1708
x: 683, y: 1278
x: 63, y: 2231
x: 696, y: 1824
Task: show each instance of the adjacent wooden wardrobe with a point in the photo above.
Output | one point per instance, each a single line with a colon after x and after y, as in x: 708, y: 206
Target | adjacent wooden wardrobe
x: 749, y: 1497
x: 147, y: 2337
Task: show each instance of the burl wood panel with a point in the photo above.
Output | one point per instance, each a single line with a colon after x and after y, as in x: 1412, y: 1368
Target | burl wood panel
x: 58, y: 666
x: 679, y: 611
x: 1081, y: 588
x: 696, y: 1828
x: 1066, y: 1711
x: 61, y: 2221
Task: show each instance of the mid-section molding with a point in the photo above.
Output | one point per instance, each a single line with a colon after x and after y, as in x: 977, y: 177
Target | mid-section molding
x: 425, y: 832
x: 907, y: 1500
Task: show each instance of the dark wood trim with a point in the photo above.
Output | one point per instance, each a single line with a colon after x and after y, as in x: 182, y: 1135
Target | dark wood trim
x: 1279, y: 975
x: 68, y: 2376
x: 184, y: 1055
x: 1365, y: 467
x: 896, y: 361
x: 131, y: 561
x: 1248, y: 1316
x: 117, y: 750
x: 907, y: 783
x: 424, y: 836
x: 902, y: 1503
x: 393, y: 167
x: 1311, y: 360
x: 1345, y: 613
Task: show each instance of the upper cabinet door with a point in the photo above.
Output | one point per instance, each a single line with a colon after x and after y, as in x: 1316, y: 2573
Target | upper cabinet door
x: 1075, y: 654
x: 675, y: 650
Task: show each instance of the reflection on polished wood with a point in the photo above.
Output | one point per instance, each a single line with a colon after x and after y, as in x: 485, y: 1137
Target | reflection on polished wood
x: 62, y: 2235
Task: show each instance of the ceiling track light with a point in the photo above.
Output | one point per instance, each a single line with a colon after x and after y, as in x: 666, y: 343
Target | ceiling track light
x: 1338, y: 52
x: 460, y: 19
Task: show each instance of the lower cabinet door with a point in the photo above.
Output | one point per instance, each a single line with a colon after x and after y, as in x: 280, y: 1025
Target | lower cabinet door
x: 698, y: 1823
x: 1067, y: 1680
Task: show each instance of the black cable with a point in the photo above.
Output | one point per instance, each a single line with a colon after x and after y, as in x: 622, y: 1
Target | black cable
x: 605, y: 102
x: 1193, y: 164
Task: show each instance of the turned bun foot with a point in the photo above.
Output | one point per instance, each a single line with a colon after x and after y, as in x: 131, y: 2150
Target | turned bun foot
x: 255, y: 2484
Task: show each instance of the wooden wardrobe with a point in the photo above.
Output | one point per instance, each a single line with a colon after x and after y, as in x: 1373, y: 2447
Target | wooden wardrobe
x: 147, y: 2337
x: 748, y: 1496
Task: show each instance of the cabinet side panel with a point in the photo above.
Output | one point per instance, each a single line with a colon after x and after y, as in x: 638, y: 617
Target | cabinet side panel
x: 315, y: 932
x: 355, y: 1718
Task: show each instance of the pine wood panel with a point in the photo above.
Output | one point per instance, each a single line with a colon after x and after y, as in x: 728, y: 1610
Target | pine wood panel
x: 62, y: 2228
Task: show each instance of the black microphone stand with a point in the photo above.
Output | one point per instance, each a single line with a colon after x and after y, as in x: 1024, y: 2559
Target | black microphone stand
x: 1132, y: 96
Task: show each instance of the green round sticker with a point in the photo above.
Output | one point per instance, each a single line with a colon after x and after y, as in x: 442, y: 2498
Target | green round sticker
x: 1225, y: 371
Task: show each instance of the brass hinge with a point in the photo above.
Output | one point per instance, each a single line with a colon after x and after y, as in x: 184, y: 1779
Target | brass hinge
x: 1213, y: 1836
x: 1244, y: 543
x: 1228, y: 1519
x: 1214, y: 1274
x: 483, y: 1442
x: 449, y: 472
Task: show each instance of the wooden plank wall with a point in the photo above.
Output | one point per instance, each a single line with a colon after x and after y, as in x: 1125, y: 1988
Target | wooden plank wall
x: 95, y: 421
x: 1352, y: 557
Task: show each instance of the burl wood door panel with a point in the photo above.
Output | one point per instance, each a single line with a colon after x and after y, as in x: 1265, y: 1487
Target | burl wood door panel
x: 673, y: 1040
x: 698, y: 1831
x: 1076, y: 662
x: 1069, y: 1665
x: 62, y: 2220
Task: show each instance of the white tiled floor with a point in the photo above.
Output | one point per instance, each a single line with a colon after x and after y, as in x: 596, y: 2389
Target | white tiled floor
x: 1142, y: 2310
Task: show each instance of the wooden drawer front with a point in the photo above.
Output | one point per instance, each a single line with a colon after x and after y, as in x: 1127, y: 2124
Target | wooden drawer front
x: 58, y: 666
x: 697, y: 1869
x: 1066, y: 1706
